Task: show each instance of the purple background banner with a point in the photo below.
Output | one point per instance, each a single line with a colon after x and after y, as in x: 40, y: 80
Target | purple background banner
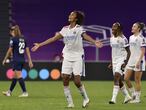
x: 40, y: 19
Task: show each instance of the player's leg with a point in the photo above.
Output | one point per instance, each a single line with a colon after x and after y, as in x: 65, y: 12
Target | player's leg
x: 115, y: 88
x: 77, y: 70
x: 18, y: 72
x: 21, y: 83
x: 127, y: 77
x: 12, y: 86
x: 138, y: 75
x: 13, y: 83
x: 66, y: 74
x: 124, y: 91
x: 81, y: 88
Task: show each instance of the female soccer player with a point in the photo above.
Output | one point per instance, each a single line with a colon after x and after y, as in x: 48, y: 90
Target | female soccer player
x: 120, y: 56
x: 17, y: 49
x: 73, y: 53
x: 136, y: 61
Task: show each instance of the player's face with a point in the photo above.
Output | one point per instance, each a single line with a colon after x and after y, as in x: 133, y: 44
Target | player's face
x: 72, y: 17
x: 12, y: 33
x: 135, y: 28
x: 114, y: 29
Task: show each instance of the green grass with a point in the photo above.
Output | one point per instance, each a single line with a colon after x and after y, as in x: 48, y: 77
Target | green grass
x: 49, y: 96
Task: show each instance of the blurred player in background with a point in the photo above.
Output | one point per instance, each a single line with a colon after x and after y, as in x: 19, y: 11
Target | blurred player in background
x: 120, y: 56
x: 136, y: 61
x: 17, y: 49
x: 73, y: 54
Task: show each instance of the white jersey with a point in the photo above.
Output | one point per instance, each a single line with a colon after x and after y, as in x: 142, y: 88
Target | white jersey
x: 118, y: 45
x: 73, y: 49
x: 136, y: 42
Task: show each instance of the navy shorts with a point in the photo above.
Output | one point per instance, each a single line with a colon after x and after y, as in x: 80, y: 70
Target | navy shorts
x: 17, y: 65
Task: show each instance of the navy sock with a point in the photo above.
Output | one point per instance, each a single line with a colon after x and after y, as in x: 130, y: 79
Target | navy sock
x: 13, y: 84
x: 22, y: 84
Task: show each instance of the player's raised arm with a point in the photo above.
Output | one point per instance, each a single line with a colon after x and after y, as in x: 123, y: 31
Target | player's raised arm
x: 7, y: 55
x: 48, y: 41
x: 91, y: 40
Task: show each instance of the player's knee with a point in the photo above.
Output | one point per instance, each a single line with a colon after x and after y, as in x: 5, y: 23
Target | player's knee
x: 65, y: 79
x: 137, y: 81
x: 77, y: 83
x: 121, y: 84
x: 126, y: 79
x: 117, y: 77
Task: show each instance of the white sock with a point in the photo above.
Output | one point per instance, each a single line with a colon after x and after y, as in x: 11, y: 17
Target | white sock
x: 132, y: 91
x: 138, y: 93
x: 115, y: 93
x: 124, y: 91
x: 68, y: 94
x: 83, y: 92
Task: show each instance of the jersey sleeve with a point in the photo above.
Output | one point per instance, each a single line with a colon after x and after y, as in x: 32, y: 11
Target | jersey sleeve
x: 126, y: 44
x: 11, y: 43
x: 143, y: 42
x: 82, y: 31
x: 62, y: 32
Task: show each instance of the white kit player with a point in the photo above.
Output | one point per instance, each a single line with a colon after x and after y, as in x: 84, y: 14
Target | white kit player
x: 120, y: 56
x: 73, y: 53
x: 136, y: 61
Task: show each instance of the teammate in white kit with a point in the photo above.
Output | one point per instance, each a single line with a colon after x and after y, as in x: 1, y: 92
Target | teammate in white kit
x: 73, y: 53
x: 136, y: 61
x: 120, y: 56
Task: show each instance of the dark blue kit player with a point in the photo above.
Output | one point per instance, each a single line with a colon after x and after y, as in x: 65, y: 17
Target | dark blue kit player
x: 17, y: 50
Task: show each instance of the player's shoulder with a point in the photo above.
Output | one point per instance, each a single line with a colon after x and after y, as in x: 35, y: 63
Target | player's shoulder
x: 132, y: 36
x: 141, y: 36
x: 66, y: 26
x: 79, y: 26
x: 124, y: 37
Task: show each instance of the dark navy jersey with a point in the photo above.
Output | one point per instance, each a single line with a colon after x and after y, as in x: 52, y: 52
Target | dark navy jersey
x: 18, y: 45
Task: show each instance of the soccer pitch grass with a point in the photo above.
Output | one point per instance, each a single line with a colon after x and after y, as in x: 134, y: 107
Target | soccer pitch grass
x: 48, y: 95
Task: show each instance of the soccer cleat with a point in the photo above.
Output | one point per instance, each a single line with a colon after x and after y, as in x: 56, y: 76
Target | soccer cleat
x: 112, y: 102
x: 6, y: 93
x: 24, y: 94
x: 127, y: 99
x: 85, y: 103
x: 71, y: 105
x: 134, y: 101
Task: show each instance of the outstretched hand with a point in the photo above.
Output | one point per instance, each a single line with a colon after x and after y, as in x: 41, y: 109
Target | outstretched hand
x: 98, y: 44
x: 35, y: 47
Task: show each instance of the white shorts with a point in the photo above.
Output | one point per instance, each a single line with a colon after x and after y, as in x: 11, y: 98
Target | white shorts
x: 142, y: 67
x: 75, y: 67
x: 117, y: 67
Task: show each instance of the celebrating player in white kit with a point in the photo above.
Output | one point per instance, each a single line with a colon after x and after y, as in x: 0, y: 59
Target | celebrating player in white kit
x: 73, y: 53
x: 120, y: 56
x: 136, y: 61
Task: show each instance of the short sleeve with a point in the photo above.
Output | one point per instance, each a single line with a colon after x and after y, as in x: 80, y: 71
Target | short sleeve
x: 143, y: 42
x: 62, y: 32
x: 126, y: 44
x: 82, y: 31
x: 11, y: 43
